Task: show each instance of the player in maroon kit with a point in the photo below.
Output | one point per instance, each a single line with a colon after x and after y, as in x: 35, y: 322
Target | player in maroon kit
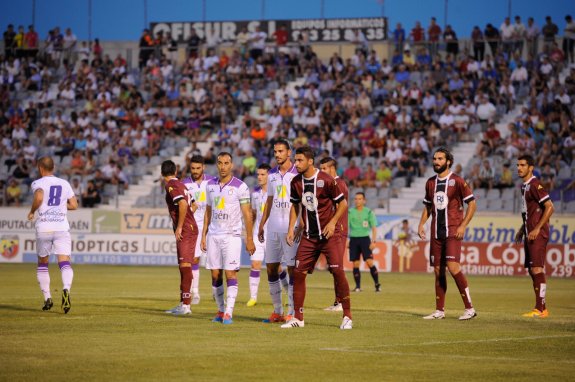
x: 536, y: 209
x: 329, y: 165
x: 181, y: 206
x: 322, y: 205
x: 445, y: 194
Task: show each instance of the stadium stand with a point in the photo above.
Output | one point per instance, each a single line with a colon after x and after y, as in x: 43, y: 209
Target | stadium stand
x: 112, y: 124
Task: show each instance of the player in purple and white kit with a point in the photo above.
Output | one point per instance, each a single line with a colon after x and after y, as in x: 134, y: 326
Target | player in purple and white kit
x: 277, y: 210
x: 228, y: 201
x: 53, y: 197
x: 196, y: 185
x: 259, y: 198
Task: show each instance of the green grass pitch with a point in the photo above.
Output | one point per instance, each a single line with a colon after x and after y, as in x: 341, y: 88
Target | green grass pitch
x: 117, y: 330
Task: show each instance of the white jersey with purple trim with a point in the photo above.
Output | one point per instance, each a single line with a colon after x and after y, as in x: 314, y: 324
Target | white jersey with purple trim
x: 259, y: 199
x: 52, y: 213
x: 198, y: 193
x: 279, y: 186
x: 226, y: 204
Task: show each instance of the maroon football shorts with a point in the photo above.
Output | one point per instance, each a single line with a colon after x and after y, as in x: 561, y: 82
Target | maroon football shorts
x: 186, y: 248
x: 443, y: 250
x: 535, y: 252
x: 309, y: 250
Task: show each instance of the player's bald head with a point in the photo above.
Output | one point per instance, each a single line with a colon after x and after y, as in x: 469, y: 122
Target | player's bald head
x: 46, y: 163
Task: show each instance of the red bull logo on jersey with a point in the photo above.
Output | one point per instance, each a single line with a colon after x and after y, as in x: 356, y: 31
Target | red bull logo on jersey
x: 9, y: 246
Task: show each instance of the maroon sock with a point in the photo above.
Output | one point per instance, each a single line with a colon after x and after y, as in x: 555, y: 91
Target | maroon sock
x: 540, y: 288
x: 337, y: 300
x: 298, y: 293
x: 440, y: 290
x: 342, y: 291
x: 461, y: 283
x: 185, y: 284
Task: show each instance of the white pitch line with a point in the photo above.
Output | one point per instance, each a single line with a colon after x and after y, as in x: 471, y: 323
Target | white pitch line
x: 443, y: 356
x: 455, y: 342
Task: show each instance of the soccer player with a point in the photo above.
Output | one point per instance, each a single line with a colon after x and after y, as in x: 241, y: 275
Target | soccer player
x: 277, y: 210
x: 196, y: 185
x: 361, y: 221
x: 322, y: 205
x: 53, y: 197
x: 445, y: 194
x: 181, y: 207
x: 329, y: 165
x: 536, y: 209
x: 259, y: 198
x: 228, y: 200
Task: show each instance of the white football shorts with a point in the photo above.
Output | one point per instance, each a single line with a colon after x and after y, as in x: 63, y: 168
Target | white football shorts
x: 223, y: 252
x: 56, y: 243
x: 278, y: 250
x: 260, y: 252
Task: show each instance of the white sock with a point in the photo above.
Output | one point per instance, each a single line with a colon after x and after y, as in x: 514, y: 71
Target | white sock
x: 195, y: 279
x: 218, y: 293
x: 67, y: 274
x: 231, y: 296
x: 284, y: 279
x: 43, y: 277
x: 254, y: 283
x: 290, y: 299
x: 276, y: 295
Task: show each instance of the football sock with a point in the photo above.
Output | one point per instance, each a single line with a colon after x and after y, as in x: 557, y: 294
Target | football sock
x: 298, y: 293
x: 218, y: 293
x: 67, y: 274
x: 284, y: 281
x: 276, y: 293
x: 254, y: 283
x: 195, y: 279
x: 43, y: 277
x: 357, y: 277
x: 461, y: 282
x: 540, y: 288
x: 185, y: 283
x: 342, y: 291
x: 231, y: 296
x: 290, y: 297
x: 374, y: 274
x: 440, y: 290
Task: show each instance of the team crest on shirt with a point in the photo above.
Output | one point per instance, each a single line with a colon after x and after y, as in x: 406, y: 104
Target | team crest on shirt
x: 527, y: 187
x: 220, y: 202
x: 440, y: 200
x: 320, y: 183
x: 451, y: 182
x: 170, y: 189
x: 230, y: 192
x: 309, y: 200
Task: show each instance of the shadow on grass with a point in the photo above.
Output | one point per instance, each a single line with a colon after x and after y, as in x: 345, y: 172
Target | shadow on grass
x: 22, y: 308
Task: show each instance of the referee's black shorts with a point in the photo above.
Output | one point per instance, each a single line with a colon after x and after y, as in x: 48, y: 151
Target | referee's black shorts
x: 359, y: 246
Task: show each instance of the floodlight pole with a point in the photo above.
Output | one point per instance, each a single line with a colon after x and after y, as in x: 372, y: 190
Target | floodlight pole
x: 34, y: 13
x: 145, y: 14
x: 90, y: 21
x: 322, y: 9
x: 445, y: 14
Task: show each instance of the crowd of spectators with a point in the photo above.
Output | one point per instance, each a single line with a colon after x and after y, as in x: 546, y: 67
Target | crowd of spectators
x: 380, y: 117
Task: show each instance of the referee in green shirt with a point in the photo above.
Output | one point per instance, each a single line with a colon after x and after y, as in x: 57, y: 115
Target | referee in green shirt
x: 361, y: 223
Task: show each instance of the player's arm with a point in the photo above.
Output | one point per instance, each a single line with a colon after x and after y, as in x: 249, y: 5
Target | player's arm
x: 548, y: 211
x: 520, y: 235
x: 194, y: 206
x: 292, y: 219
x: 207, y: 220
x: 424, y: 216
x: 36, y: 202
x: 72, y: 203
x: 329, y: 229
x: 469, y: 212
x: 182, y: 211
x: 247, y: 214
x: 265, y: 217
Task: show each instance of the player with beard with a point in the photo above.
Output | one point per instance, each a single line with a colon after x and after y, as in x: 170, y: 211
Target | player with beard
x: 445, y: 194
x: 316, y: 195
x: 196, y: 185
x: 536, y: 209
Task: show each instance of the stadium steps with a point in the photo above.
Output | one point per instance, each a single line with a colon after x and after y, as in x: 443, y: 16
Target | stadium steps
x: 408, y: 199
x: 147, y: 182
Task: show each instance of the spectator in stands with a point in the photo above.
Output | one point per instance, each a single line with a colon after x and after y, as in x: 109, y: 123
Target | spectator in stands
x: 505, y: 178
x: 383, y: 175
x: 13, y: 193
x: 486, y: 176
x: 352, y: 174
x: 451, y: 42
x: 91, y: 195
x: 433, y: 34
x: 549, y: 31
x: 367, y: 178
